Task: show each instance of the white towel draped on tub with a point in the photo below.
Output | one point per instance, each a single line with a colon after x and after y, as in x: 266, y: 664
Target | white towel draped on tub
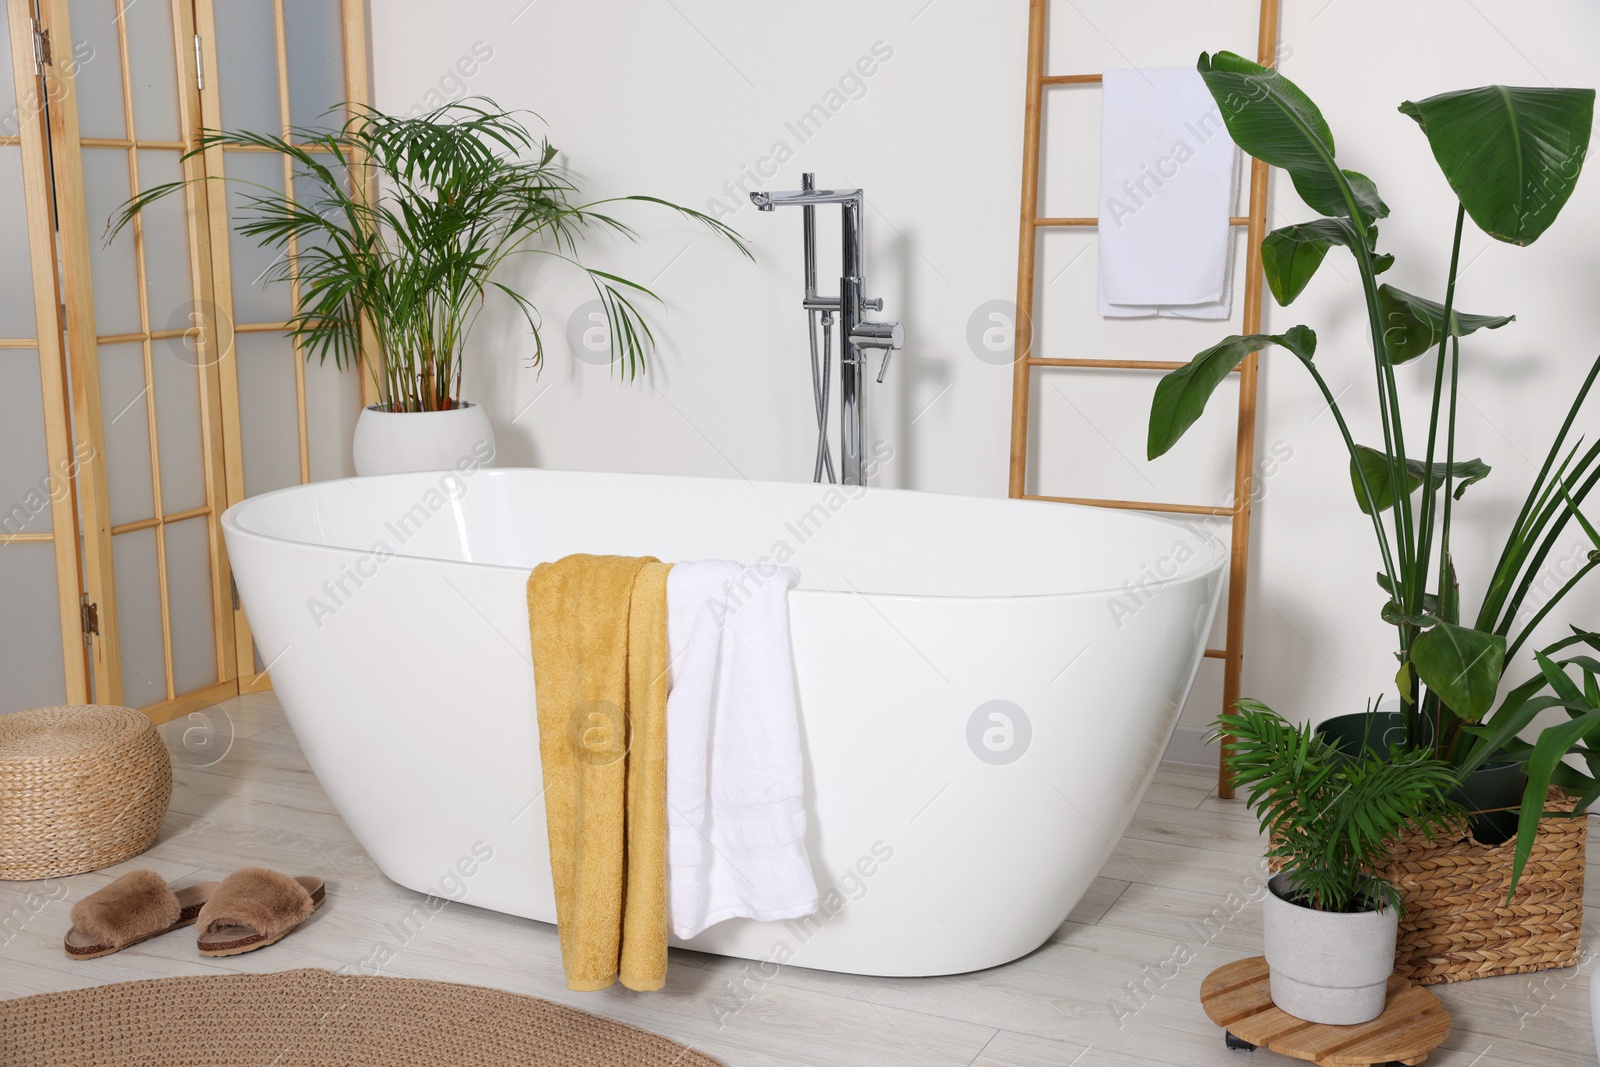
x: 736, y: 821
x: 1168, y: 180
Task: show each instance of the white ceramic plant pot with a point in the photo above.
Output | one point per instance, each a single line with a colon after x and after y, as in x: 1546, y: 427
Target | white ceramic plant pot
x: 1327, y: 967
x: 394, y: 442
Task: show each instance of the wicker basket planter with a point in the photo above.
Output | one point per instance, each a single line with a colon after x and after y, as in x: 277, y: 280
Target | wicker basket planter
x: 1457, y: 925
x: 81, y: 788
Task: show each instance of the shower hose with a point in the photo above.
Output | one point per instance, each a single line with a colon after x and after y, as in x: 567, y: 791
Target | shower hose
x: 820, y: 380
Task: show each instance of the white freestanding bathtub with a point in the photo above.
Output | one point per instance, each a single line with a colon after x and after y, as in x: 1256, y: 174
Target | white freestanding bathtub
x: 986, y: 686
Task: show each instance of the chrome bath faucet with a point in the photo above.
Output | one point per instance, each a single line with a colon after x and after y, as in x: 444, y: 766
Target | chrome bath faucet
x: 857, y: 335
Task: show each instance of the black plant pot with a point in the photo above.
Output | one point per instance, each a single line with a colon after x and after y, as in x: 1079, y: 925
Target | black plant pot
x: 1498, y: 784
x: 1377, y: 731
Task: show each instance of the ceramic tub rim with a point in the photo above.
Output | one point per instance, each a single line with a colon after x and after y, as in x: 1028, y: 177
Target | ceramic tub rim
x: 236, y: 516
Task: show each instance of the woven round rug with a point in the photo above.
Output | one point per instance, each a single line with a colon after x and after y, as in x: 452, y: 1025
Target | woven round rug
x: 315, y: 1018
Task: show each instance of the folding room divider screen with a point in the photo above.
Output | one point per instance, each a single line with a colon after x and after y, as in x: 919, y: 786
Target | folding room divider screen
x: 147, y: 383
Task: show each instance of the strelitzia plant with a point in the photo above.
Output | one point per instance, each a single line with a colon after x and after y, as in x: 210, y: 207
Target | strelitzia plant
x: 401, y: 225
x: 1331, y: 816
x: 1512, y: 157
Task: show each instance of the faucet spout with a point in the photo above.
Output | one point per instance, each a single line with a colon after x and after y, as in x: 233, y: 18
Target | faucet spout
x: 766, y: 201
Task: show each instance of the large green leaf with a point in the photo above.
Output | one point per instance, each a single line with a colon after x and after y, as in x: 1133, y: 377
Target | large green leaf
x: 1365, y: 190
x: 1291, y: 255
x: 1463, y: 472
x: 1182, y: 394
x: 1413, y: 325
x: 1515, y: 712
x: 1375, y: 465
x: 1511, y: 154
x: 1461, y: 665
x: 1554, y: 743
x: 1272, y: 119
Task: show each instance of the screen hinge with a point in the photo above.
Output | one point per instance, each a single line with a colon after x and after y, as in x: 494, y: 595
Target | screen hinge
x: 41, y: 49
x: 199, y: 65
x: 89, y: 613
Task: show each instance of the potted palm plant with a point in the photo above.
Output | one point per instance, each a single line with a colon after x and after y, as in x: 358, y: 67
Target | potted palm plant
x: 400, y: 225
x: 1329, y: 919
x: 1511, y: 157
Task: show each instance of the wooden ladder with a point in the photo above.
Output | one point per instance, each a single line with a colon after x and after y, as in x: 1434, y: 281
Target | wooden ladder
x: 1232, y: 653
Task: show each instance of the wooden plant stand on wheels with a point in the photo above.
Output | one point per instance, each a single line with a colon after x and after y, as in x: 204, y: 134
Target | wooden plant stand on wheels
x: 1412, y: 1025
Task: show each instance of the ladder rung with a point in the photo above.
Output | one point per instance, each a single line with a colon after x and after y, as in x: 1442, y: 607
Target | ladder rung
x: 1111, y: 364
x: 1134, y: 505
x: 1237, y: 220
x: 1216, y: 653
x: 1070, y: 79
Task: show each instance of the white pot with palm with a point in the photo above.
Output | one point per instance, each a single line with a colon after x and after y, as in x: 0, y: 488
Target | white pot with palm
x: 1329, y: 922
x: 400, y: 224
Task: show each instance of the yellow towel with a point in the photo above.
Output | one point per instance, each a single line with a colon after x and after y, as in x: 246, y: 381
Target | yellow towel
x: 599, y: 631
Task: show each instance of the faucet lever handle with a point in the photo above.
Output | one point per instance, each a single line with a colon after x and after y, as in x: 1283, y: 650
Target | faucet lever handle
x: 887, y: 336
x: 874, y: 303
x: 877, y: 335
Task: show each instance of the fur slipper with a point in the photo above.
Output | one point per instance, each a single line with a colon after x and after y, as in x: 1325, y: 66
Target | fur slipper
x: 254, y: 908
x: 134, y: 908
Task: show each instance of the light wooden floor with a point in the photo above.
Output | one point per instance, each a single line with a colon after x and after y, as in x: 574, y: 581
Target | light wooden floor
x: 1118, y: 984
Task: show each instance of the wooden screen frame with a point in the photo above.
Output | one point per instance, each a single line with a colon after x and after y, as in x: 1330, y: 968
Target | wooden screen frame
x: 68, y: 346
x: 31, y: 139
x: 354, y: 46
x: 83, y: 341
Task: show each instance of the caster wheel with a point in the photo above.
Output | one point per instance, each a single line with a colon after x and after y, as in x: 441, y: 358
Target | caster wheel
x: 1238, y: 1044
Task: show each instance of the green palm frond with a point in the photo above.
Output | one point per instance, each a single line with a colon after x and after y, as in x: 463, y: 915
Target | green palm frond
x: 400, y: 223
x: 1330, y: 816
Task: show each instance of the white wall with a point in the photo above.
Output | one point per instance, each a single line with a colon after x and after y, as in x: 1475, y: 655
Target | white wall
x: 678, y: 98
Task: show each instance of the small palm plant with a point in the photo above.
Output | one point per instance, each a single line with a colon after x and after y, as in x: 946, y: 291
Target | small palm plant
x: 400, y: 224
x: 1331, y: 816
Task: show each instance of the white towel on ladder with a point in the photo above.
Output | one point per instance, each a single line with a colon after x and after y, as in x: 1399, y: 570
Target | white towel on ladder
x: 736, y: 819
x: 1169, y: 177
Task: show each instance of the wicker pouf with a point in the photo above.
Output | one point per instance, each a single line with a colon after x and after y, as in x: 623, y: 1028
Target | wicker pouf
x: 81, y: 788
